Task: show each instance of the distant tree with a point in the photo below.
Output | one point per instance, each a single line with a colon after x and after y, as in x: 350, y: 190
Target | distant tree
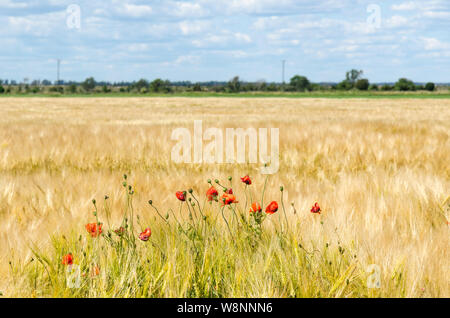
x: 160, y: 86
x: 88, y: 84
x: 2, y: 90
x: 344, y: 85
x: 197, y: 87
x: 142, y: 83
x: 430, y: 86
x: 386, y: 87
x: 352, y: 76
x: 300, y: 83
x: 234, y: 85
x: 362, y: 84
x: 56, y: 89
x: 404, y: 84
x: 373, y: 87
x: 72, y: 88
x: 46, y: 82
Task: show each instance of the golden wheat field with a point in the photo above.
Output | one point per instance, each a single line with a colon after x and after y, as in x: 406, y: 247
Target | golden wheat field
x: 378, y: 168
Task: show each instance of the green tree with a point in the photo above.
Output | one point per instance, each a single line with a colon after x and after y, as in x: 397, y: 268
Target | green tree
x: 88, y: 84
x: 142, y: 83
x: 2, y: 90
x: 344, y: 85
x: 197, y: 87
x: 352, y: 76
x: 430, y: 86
x: 72, y: 88
x: 362, y: 84
x: 160, y: 86
x: 300, y: 83
x: 234, y: 85
x: 404, y: 84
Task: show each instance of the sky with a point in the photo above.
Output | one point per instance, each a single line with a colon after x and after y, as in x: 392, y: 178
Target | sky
x: 217, y: 39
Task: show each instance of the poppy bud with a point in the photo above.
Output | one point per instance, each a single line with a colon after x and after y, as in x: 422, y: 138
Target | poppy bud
x: 209, y: 180
x: 106, y: 197
x: 93, y: 201
x: 281, y: 188
x: 125, y: 176
x: 216, y: 181
x: 150, y: 202
x: 230, y: 178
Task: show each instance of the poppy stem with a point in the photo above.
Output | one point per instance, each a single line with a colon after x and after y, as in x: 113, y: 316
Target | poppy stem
x: 284, y: 210
x: 264, y: 190
x: 198, y: 204
x: 154, y: 207
x: 228, y: 226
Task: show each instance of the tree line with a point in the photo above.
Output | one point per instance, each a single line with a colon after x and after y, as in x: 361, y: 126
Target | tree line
x: 353, y: 81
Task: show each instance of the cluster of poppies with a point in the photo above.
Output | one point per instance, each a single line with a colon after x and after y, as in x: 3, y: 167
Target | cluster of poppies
x: 228, y: 198
x: 212, y: 194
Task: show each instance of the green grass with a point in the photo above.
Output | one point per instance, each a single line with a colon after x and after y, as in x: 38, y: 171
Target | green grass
x: 335, y: 94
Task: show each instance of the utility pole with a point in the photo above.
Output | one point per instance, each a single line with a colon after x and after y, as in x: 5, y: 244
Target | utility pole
x: 58, y: 62
x: 283, y: 63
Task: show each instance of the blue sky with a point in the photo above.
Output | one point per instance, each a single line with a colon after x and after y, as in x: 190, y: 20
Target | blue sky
x: 215, y: 40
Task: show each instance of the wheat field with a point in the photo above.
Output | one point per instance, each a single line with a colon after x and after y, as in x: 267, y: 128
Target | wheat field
x: 379, y: 168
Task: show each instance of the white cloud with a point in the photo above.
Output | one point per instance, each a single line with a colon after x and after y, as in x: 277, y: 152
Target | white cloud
x: 405, y: 6
x: 135, y: 11
x: 437, y: 14
x: 186, y: 9
x: 137, y: 47
x: 187, y: 59
x: 432, y: 44
x: 12, y: 5
x: 242, y: 37
x: 397, y: 21
x: 193, y: 27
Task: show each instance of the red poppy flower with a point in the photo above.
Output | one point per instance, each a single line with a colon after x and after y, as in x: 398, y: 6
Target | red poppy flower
x: 94, y: 229
x: 255, y: 208
x: 315, y: 208
x: 67, y: 259
x: 212, y: 194
x: 246, y: 180
x: 229, y: 191
x: 272, y: 207
x: 181, y: 195
x: 228, y: 199
x: 144, y: 236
